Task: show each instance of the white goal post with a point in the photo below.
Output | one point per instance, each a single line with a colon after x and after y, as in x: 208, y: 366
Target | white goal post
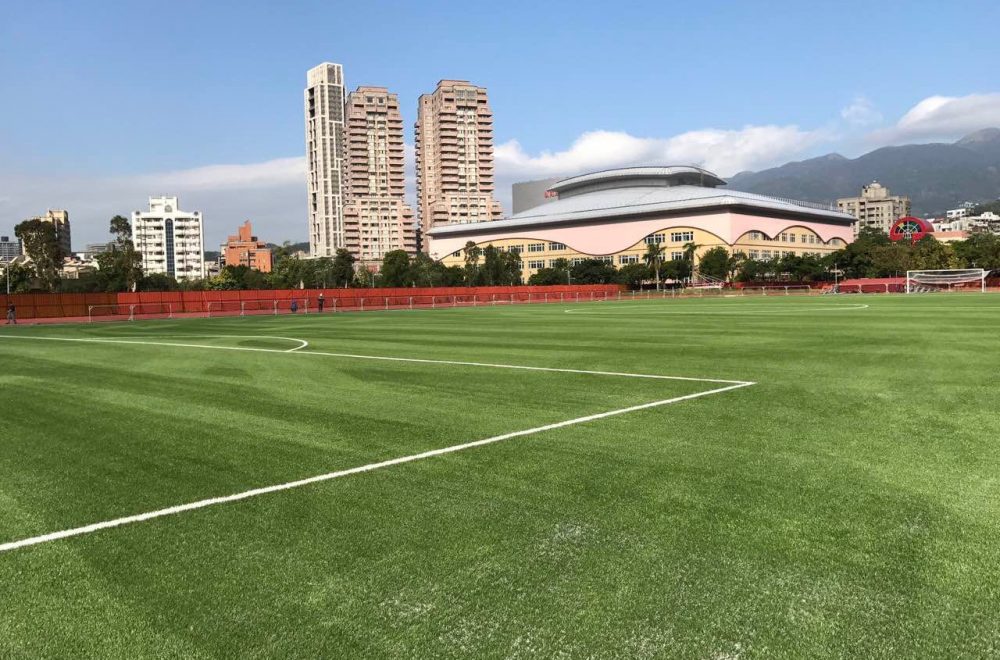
x: 960, y: 279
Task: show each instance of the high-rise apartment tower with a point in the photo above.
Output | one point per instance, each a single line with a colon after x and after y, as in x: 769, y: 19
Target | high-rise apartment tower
x: 324, y: 112
x: 169, y: 240
x: 454, y: 139
x: 377, y: 218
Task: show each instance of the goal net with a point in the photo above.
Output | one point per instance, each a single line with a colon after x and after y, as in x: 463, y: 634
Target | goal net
x: 963, y: 279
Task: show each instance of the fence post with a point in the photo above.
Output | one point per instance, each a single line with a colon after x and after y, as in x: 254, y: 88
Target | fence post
x: 362, y: 304
x: 433, y: 302
x: 411, y: 302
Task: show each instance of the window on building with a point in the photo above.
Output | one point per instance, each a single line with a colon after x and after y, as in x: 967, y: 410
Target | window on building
x: 536, y: 247
x: 628, y: 258
x: 556, y: 246
x: 676, y: 256
x: 682, y: 236
x: 654, y: 239
x: 536, y: 264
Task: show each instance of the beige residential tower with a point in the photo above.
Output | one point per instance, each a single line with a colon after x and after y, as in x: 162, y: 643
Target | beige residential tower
x: 454, y: 143
x: 377, y: 219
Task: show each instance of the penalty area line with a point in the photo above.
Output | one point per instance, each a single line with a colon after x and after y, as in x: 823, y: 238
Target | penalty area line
x: 386, y: 358
x: 265, y: 490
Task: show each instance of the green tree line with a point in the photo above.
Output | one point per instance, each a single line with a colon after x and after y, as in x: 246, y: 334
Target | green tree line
x: 872, y: 254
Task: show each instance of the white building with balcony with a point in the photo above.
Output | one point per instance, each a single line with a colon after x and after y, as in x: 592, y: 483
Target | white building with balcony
x: 170, y: 241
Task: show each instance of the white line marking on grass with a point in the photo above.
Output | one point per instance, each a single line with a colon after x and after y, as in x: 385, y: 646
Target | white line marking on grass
x: 742, y: 312
x: 378, y: 357
x: 255, y: 492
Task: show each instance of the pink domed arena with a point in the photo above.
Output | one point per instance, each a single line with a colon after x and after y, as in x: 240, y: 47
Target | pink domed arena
x: 614, y: 214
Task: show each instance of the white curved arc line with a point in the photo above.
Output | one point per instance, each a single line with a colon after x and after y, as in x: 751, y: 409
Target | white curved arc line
x: 302, y: 342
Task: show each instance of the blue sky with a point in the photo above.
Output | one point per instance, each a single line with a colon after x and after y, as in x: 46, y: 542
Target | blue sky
x: 106, y: 103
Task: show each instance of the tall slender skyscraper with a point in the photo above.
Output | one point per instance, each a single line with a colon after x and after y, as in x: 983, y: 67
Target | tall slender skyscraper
x: 454, y: 132
x: 324, y: 109
x: 376, y: 217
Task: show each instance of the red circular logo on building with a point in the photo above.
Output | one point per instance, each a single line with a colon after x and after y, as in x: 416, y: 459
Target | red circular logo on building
x: 910, y: 228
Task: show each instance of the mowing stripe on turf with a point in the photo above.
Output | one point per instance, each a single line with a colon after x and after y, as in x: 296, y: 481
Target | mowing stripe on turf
x: 379, y: 357
x: 201, y: 504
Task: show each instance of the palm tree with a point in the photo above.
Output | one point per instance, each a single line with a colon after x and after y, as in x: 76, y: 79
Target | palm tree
x: 654, y: 259
x: 689, y: 250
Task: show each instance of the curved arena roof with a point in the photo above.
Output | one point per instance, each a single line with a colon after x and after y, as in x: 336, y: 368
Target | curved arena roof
x: 625, y: 177
x: 637, y: 191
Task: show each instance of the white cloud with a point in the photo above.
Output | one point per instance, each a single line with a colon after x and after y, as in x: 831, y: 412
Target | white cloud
x: 725, y: 152
x: 861, y: 112
x: 943, y: 118
x: 278, y: 172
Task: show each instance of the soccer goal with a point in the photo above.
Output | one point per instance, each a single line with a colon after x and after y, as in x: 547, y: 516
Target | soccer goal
x: 129, y: 312
x: 963, y: 279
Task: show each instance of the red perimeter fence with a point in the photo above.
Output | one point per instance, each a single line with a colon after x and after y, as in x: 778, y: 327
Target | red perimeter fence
x: 229, y: 303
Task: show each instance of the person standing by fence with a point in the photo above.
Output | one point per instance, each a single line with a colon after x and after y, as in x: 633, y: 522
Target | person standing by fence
x: 320, y: 302
x: 11, y: 314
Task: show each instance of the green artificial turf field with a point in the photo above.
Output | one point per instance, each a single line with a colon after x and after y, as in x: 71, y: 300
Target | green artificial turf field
x: 844, y: 504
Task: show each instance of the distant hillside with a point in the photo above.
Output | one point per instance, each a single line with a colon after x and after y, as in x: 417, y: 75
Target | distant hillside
x: 936, y: 177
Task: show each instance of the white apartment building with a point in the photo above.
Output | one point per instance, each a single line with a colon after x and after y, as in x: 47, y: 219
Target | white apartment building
x: 324, y: 114
x: 986, y: 222
x: 170, y: 241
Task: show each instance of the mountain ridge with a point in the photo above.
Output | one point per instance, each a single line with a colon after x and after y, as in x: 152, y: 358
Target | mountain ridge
x: 935, y: 176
